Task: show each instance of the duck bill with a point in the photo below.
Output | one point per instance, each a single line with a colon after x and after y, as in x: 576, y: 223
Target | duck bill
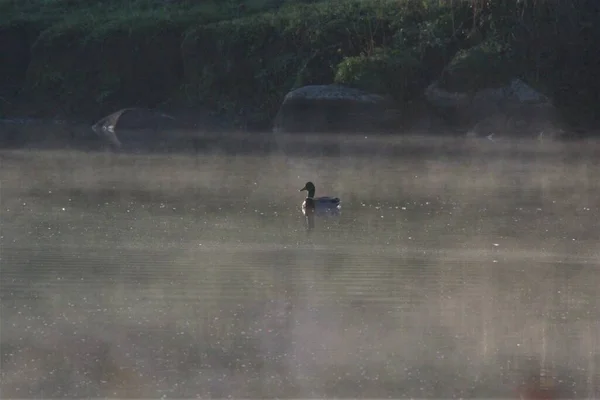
x: 303, y: 189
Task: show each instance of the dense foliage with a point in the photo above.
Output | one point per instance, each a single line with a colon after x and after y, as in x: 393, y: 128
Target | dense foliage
x: 88, y: 58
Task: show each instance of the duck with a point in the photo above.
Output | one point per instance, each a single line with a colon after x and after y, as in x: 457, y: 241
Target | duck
x: 320, y: 206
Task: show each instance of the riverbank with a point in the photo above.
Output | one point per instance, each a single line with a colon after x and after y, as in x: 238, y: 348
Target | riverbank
x: 237, y: 61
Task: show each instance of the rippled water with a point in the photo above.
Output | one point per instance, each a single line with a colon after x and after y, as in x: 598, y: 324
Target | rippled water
x: 458, y: 272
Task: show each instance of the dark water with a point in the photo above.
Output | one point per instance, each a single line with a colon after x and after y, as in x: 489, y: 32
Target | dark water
x: 456, y: 274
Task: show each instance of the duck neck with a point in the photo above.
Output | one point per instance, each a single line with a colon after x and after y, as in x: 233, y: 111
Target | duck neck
x: 311, y: 193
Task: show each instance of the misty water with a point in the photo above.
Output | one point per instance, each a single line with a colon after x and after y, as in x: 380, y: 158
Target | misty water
x: 459, y: 272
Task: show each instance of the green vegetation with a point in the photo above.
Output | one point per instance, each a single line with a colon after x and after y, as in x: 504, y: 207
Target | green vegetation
x: 88, y: 58
x: 390, y: 71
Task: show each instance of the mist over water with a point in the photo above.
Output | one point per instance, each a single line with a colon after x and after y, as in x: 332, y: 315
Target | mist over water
x: 458, y: 268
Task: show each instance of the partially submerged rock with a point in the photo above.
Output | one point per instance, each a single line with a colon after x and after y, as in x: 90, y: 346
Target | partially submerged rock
x: 133, y: 119
x: 145, y: 129
x: 335, y: 108
x: 515, y: 108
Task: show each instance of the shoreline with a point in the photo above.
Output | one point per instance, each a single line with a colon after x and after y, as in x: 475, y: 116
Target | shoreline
x: 239, y: 61
x: 359, y: 145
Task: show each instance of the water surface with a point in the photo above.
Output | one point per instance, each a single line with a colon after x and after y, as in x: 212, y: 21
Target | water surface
x: 454, y: 271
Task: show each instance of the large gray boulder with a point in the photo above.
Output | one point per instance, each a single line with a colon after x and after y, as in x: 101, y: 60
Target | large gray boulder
x: 513, y: 109
x: 335, y: 108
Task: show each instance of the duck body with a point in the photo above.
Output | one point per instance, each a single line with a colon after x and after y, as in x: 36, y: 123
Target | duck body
x: 319, y: 206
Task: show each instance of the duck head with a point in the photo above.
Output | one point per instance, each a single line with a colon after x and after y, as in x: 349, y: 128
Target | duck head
x: 310, y: 188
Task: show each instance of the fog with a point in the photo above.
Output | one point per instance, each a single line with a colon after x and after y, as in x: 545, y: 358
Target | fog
x: 458, y: 268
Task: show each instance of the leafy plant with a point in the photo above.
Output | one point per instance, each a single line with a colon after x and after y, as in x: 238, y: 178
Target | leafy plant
x: 386, y: 71
x: 486, y: 65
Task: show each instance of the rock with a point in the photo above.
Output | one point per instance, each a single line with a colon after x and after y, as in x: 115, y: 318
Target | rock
x: 515, y: 108
x: 137, y: 126
x: 146, y: 129
x: 335, y: 108
x: 424, y: 120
